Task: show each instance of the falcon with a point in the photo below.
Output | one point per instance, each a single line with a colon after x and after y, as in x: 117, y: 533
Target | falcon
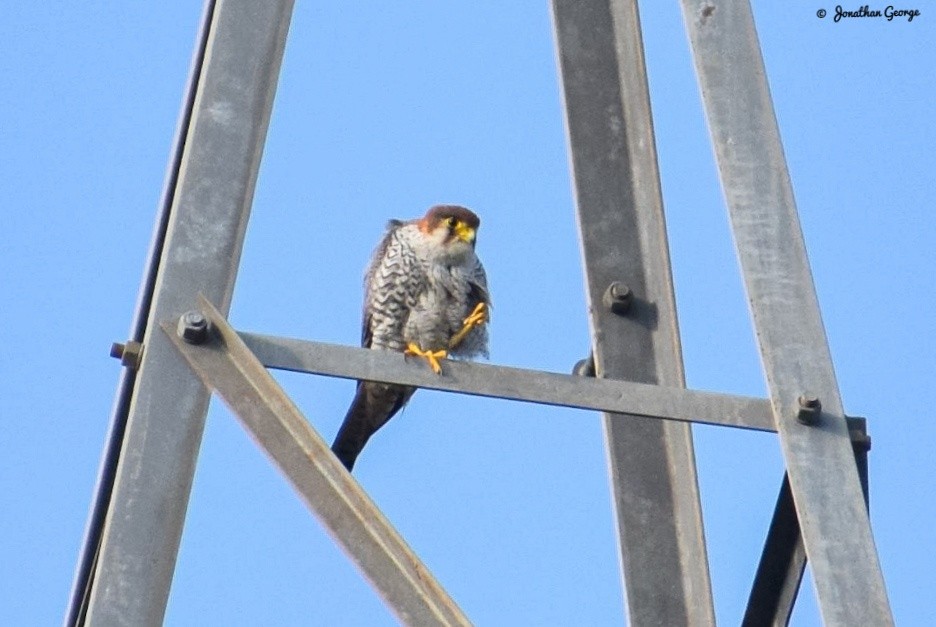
x: 425, y: 295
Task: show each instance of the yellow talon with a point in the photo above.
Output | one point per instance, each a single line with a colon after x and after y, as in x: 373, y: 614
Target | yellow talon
x: 432, y: 357
x: 476, y: 318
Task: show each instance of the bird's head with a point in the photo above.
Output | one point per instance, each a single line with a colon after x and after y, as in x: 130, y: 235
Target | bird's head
x: 451, y: 229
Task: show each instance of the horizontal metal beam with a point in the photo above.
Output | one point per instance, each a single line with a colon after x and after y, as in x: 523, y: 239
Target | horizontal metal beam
x: 547, y: 388
x: 225, y: 365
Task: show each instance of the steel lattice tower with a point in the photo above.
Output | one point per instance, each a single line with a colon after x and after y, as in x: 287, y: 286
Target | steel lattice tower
x: 181, y: 345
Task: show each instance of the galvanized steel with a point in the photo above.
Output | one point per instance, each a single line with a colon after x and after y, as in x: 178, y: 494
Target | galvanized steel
x: 212, y: 198
x: 794, y: 349
x: 534, y: 386
x: 631, y: 307
x: 227, y: 366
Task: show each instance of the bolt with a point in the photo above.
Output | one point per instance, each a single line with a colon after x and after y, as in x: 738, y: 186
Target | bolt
x: 810, y: 401
x: 858, y: 432
x: 129, y: 354
x: 193, y: 327
x: 585, y: 367
x: 810, y: 408
x: 618, y: 298
x: 860, y: 441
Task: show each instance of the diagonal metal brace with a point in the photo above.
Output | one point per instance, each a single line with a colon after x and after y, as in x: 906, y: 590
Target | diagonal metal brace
x: 547, y: 388
x: 227, y: 366
x: 794, y: 348
x: 780, y: 571
x: 783, y: 561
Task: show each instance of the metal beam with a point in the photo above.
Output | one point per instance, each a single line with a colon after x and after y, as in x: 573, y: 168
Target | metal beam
x: 209, y: 214
x: 635, y: 399
x: 793, y: 345
x: 781, y: 567
x: 227, y: 366
x: 622, y: 227
x: 91, y: 543
x: 861, y: 444
x: 783, y: 560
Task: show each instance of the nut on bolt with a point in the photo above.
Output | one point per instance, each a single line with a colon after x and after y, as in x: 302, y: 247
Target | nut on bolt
x: 858, y: 432
x: 585, y: 367
x: 193, y: 327
x: 129, y: 354
x: 618, y: 298
x: 810, y: 408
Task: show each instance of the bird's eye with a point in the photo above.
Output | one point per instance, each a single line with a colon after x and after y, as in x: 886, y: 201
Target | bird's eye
x: 451, y: 222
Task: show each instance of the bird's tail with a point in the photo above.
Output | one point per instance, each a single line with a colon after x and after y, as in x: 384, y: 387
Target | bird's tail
x: 373, y: 405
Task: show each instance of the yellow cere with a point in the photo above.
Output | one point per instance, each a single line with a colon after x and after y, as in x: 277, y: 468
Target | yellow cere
x: 464, y: 232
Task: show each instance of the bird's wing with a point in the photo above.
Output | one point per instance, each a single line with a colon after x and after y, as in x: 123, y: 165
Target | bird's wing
x: 479, y: 287
x: 378, y: 258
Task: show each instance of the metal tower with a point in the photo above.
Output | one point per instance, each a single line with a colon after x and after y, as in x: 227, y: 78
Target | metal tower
x: 181, y: 345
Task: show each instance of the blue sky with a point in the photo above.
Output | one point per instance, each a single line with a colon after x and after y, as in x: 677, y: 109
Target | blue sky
x: 380, y: 113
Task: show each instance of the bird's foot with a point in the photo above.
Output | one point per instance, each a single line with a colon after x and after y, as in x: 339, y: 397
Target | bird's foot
x: 432, y: 357
x: 476, y: 318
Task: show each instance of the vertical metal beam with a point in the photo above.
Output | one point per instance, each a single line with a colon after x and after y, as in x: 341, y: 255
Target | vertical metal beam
x: 208, y: 219
x: 623, y: 233
x: 107, y: 472
x: 793, y: 345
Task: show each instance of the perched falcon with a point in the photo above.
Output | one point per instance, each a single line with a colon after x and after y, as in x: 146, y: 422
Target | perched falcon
x: 425, y: 294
